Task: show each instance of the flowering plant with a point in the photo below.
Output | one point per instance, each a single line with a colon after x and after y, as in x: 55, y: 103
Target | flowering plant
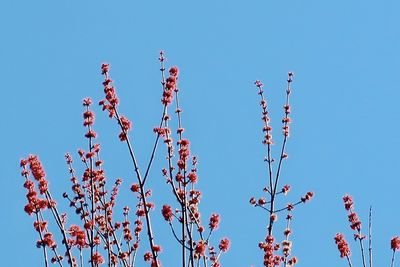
x: 102, y: 239
x: 359, y: 237
x: 270, y: 246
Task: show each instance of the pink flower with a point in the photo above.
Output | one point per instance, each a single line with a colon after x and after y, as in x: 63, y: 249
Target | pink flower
x: 395, y: 243
x: 36, y: 167
x: 224, y: 244
x: 97, y: 259
x: 348, y: 202
x: 91, y: 134
x: 258, y: 83
x: 167, y: 213
x: 135, y: 188
x: 87, y: 102
x: 156, y: 248
x: 174, y: 71
x: 147, y: 256
x: 308, y: 196
x: 214, y: 221
x: 200, y: 248
x: 342, y: 244
x: 105, y: 67
x: 192, y: 177
x: 49, y: 241
x: 286, y: 189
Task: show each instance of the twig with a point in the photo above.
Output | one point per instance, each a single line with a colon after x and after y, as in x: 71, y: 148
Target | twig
x: 370, y: 236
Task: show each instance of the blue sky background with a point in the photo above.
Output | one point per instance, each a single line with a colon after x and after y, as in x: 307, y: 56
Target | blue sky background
x: 345, y: 134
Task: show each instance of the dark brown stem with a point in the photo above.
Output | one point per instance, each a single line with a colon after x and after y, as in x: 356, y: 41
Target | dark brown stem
x: 142, y: 190
x: 140, y: 181
x: 282, y: 209
x: 278, y: 172
x: 153, y: 152
x: 57, y: 218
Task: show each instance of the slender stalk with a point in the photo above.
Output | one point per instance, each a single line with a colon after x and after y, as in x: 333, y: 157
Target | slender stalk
x: 285, y: 124
x: 142, y: 190
x: 182, y: 201
x: 60, y: 224
x: 153, y: 152
x: 174, y: 233
x: 362, y: 252
x: 57, y: 257
x: 46, y: 261
x: 269, y: 160
x: 188, y: 230
x: 282, y: 209
x: 92, y: 196
x: 108, y: 229
x: 360, y: 239
x: 81, y: 256
x: 134, y: 258
x: 183, y: 207
x: 370, y: 236
x: 274, y: 184
x: 349, y: 261
x: 392, y: 262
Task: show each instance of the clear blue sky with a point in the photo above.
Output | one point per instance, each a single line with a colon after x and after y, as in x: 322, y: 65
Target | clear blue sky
x: 345, y: 134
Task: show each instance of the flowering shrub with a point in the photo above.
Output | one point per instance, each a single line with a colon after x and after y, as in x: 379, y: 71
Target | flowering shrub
x: 100, y: 238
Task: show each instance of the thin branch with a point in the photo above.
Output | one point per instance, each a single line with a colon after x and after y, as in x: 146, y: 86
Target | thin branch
x: 349, y: 261
x: 370, y: 236
x: 153, y: 152
x: 393, y: 257
x: 142, y: 190
x: 46, y: 261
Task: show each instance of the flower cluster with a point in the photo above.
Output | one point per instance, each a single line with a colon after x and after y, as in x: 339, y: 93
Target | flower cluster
x: 125, y: 126
x: 355, y: 225
x: 170, y: 85
x: 38, y: 201
x: 342, y: 245
x: 111, y: 100
x: 270, y: 247
x: 395, y: 243
x: 354, y: 220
